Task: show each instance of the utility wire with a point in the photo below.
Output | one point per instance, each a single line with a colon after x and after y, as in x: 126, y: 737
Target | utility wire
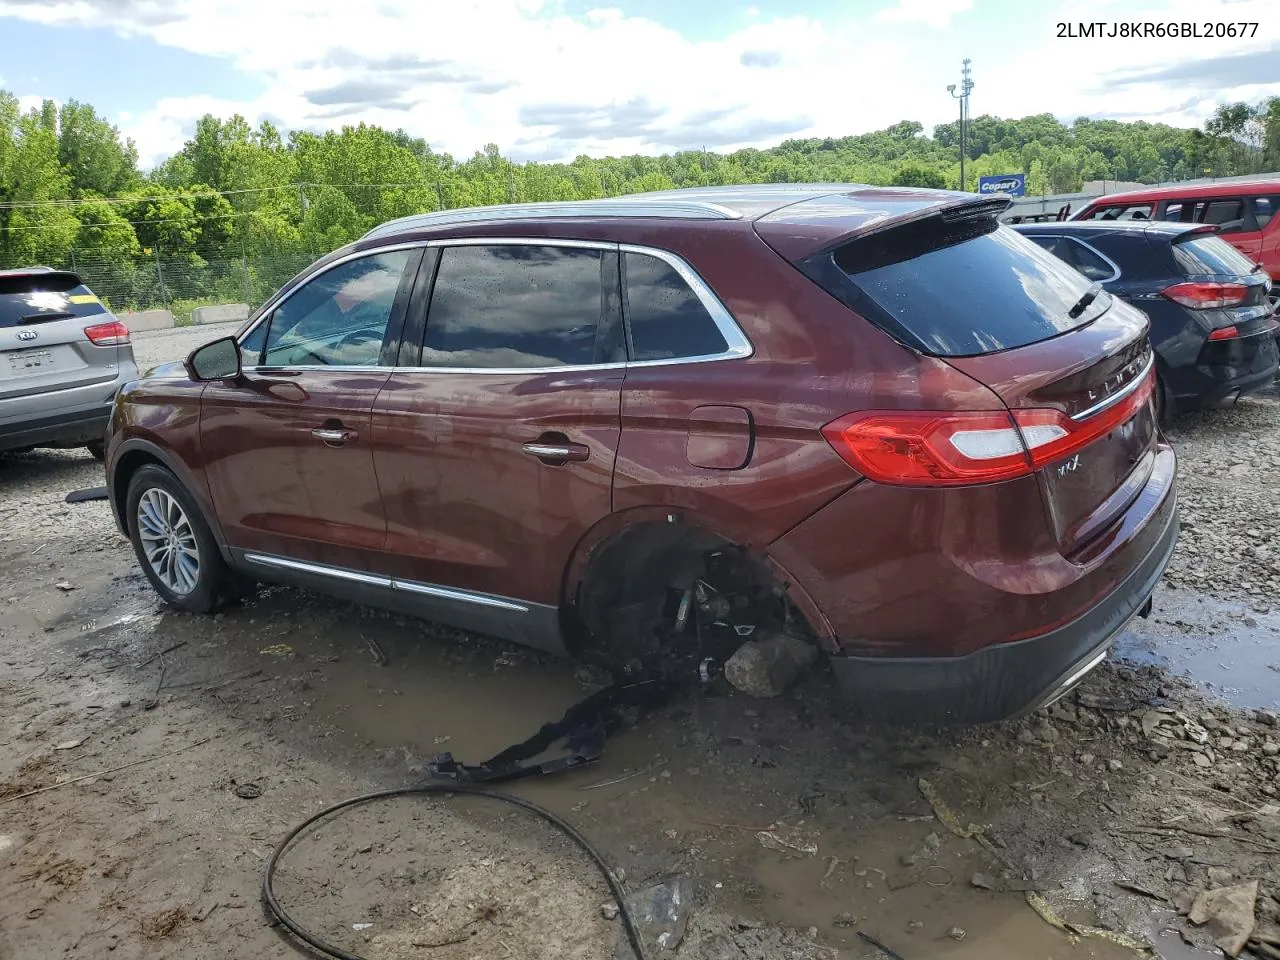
x: 19, y: 204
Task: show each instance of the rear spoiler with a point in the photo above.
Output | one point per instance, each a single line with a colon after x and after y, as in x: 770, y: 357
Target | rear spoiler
x: 814, y: 229
x: 1195, y: 230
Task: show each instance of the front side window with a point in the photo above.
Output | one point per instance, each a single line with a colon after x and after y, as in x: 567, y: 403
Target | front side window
x: 337, y: 319
x: 515, y: 305
x: 667, y: 319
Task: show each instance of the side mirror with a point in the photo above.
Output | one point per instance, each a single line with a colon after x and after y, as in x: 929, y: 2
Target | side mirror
x: 219, y: 360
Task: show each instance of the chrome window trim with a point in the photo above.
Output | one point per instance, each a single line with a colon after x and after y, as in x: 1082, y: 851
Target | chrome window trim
x: 391, y: 583
x: 739, y: 346
x: 1115, y: 398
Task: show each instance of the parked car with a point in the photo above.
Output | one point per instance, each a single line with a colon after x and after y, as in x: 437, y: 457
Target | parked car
x: 1243, y: 212
x: 614, y: 428
x: 1212, y: 327
x: 63, y: 356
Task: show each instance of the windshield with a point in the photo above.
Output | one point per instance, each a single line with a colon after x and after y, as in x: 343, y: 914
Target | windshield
x: 994, y: 291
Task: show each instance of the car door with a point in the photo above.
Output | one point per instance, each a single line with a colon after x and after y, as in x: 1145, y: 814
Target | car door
x: 494, y: 445
x: 288, y: 447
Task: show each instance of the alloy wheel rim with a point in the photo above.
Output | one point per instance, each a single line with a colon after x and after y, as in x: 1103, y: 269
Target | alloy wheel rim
x: 168, y: 541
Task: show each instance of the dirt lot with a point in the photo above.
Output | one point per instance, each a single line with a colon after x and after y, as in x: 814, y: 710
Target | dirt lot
x: 796, y: 827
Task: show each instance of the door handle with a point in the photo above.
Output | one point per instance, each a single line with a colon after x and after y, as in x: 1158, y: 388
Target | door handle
x: 335, y: 434
x: 556, y: 451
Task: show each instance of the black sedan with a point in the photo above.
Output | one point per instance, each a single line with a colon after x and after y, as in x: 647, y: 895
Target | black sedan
x: 1212, y: 326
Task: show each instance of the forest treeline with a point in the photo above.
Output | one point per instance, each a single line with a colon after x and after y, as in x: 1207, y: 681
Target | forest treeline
x: 71, y: 187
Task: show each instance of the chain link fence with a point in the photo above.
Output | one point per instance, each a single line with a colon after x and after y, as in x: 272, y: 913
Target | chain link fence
x: 181, y: 283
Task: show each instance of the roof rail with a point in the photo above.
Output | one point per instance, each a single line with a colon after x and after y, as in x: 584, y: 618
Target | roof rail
x: 634, y: 206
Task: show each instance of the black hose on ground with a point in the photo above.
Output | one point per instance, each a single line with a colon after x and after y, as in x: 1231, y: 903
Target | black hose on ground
x: 332, y: 950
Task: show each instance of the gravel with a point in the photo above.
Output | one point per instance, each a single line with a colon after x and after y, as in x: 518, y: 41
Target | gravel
x: 1227, y: 464
x: 161, y: 346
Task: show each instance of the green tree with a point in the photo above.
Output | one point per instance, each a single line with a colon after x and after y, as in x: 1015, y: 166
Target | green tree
x: 91, y: 150
x: 917, y: 175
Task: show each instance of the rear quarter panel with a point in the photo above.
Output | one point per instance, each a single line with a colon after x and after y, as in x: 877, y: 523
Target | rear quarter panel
x: 813, y: 361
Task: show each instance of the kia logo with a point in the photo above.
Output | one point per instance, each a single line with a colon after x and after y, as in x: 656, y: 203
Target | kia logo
x: 27, y: 335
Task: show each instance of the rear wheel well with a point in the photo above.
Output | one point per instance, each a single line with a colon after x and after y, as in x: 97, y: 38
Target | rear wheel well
x: 626, y: 608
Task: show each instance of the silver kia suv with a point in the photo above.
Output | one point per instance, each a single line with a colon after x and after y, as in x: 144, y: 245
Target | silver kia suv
x: 63, y: 356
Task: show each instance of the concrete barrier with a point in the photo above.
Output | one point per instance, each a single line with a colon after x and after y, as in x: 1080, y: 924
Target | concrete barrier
x: 222, y: 313
x: 146, y: 320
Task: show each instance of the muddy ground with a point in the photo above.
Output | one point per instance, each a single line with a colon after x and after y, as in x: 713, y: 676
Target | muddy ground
x: 796, y: 827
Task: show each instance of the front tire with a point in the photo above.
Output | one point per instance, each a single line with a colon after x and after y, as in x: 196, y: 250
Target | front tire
x: 173, y: 543
x: 97, y: 449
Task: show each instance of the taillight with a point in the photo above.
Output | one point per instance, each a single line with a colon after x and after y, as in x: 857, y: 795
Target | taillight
x: 109, y: 334
x: 1206, y: 296
x: 950, y: 449
x: 1224, y: 333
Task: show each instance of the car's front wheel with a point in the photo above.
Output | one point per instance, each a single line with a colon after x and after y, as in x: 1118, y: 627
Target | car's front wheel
x: 97, y: 449
x: 173, y: 542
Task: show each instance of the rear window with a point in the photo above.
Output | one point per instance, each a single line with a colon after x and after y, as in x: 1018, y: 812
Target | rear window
x: 1210, y: 256
x: 43, y: 298
x: 975, y: 289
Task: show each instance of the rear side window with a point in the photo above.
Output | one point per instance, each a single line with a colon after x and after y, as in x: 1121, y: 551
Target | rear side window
x: 515, y: 305
x: 1080, y: 256
x: 666, y: 317
x: 1209, y: 256
x: 1089, y: 262
x: 1227, y: 215
x: 44, y: 298
x: 968, y: 290
x: 1264, y: 208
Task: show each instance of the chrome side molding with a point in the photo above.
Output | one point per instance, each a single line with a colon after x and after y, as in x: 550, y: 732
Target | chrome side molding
x: 389, y: 583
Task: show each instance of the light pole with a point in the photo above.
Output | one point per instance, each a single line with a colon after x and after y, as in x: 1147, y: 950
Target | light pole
x: 966, y: 85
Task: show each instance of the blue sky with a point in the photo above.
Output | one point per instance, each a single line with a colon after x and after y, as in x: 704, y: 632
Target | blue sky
x: 550, y: 79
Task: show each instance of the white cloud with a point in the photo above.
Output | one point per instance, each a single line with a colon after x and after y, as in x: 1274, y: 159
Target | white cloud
x: 933, y: 13
x: 539, y: 83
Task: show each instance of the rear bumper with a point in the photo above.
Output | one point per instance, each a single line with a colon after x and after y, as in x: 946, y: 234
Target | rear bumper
x: 1005, y: 680
x: 1228, y: 369
x: 62, y: 418
x: 63, y: 430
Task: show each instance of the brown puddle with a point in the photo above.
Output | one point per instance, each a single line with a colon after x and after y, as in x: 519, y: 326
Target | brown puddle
x: 716, y: 771
x: 1230, y: 649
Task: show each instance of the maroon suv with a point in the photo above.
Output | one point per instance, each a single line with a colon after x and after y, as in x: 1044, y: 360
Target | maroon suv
x: 612, y: 428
